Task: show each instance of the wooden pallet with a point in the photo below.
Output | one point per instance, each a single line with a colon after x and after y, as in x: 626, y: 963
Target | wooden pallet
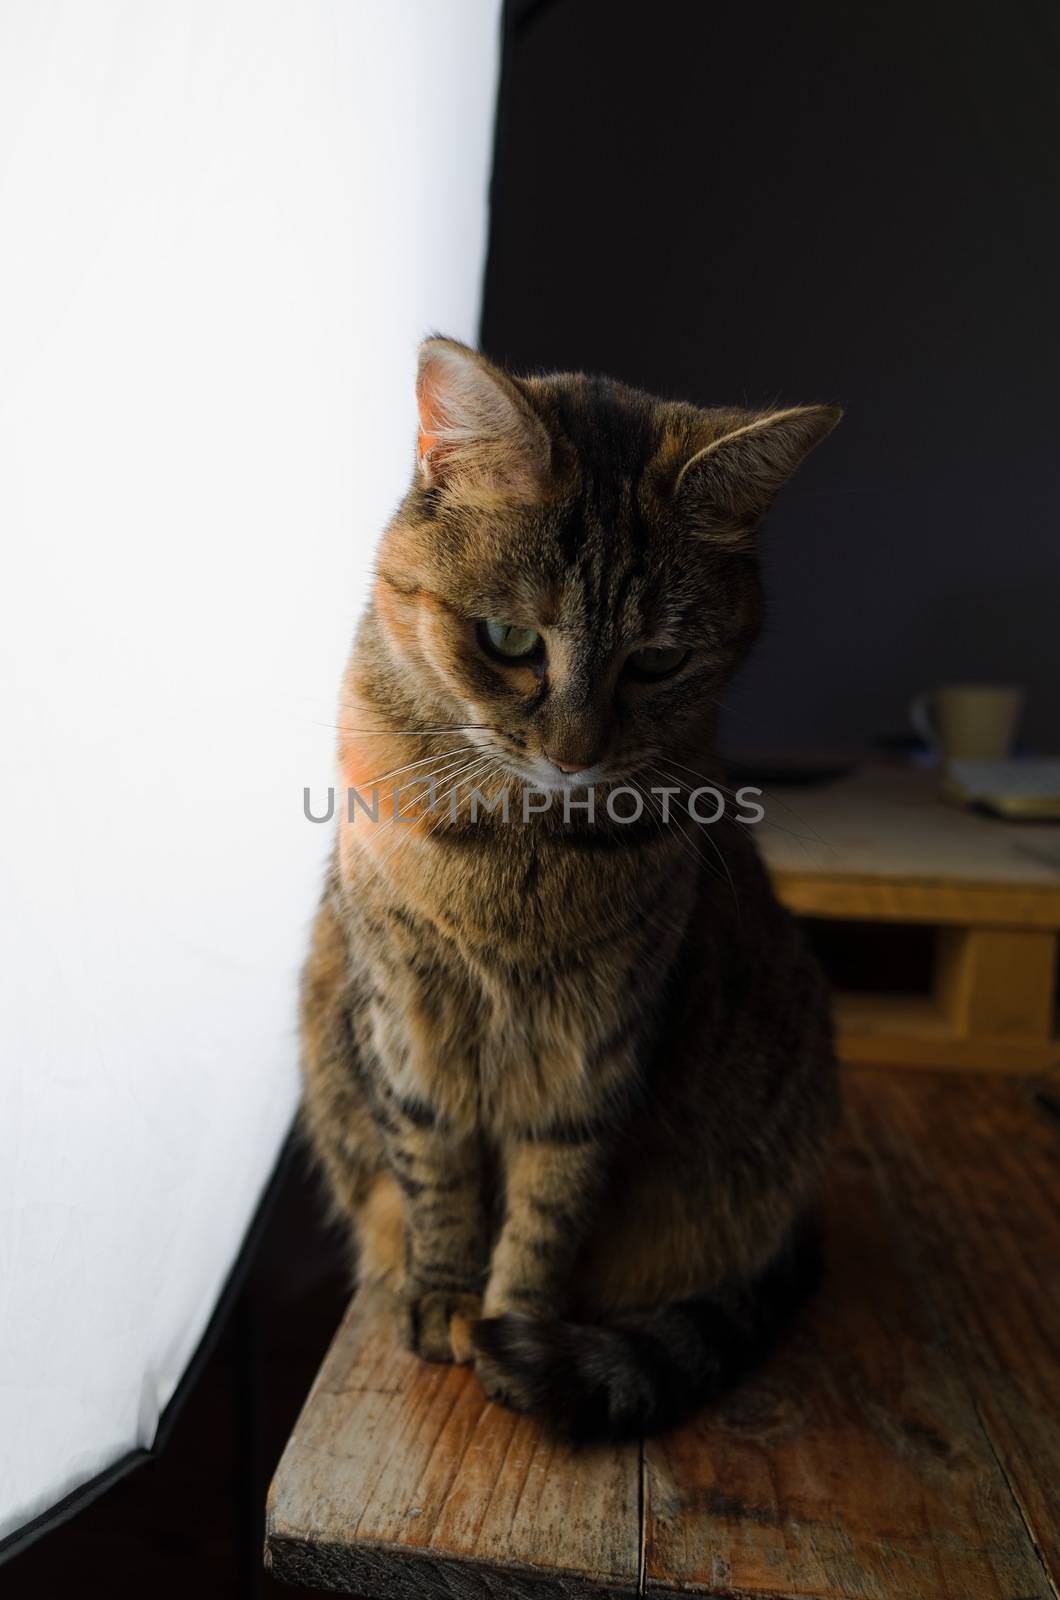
x: 884, y: 847
x: 903, y: 1442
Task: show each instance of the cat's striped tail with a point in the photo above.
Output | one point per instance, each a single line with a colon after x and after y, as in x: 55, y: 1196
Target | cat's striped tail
x: 642, y: 1371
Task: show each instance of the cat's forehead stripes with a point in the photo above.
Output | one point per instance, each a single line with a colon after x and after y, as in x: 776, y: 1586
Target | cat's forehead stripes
x: 603, y: 534
x: 615, y: 434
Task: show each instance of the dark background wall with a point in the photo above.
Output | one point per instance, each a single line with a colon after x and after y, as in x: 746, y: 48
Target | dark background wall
x: 819, y: 201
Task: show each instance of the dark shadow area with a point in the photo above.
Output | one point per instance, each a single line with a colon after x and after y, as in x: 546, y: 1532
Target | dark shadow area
x: 874, y: 957
x: 191, y: 1522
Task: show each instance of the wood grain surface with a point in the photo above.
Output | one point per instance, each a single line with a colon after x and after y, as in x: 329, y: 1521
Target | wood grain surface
x: 401, y: 1479
x: 976, y: 1189
x: 884, y: 847
x: 892, y: 824
x: 902, y: 1444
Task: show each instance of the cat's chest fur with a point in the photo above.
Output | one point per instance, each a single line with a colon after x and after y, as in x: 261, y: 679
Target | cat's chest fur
x: 502, y: 1020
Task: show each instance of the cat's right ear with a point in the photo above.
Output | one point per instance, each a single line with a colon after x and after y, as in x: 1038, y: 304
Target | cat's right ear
x: 477, y: 429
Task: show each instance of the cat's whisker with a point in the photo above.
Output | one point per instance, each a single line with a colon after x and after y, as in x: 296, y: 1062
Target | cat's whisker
x: 449, y: 767
x: 704, y: 828
x: 402, y: 814
x: 312, y: 722
x: 476, y: 779
x: 716, y: 783
x: 408, y: 767
x: 313, y: 702
x: 455, y: 773
x: 673, y: 822
x: 675, y: 925
x: 653, y: 805
x: 438, y: 727
x: 386, y: 733
x: 472, y: 777
x: 491, y: 772
x: 803, y: 839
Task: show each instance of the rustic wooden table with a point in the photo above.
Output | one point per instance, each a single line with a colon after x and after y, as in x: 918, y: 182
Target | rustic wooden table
x: 884, y: 847
x: 903, y: 1444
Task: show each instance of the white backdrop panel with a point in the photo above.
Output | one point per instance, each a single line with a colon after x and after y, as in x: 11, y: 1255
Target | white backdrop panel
x: 224, y: 227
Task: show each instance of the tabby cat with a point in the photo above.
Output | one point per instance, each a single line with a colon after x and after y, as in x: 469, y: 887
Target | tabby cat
x: 570, y: 1077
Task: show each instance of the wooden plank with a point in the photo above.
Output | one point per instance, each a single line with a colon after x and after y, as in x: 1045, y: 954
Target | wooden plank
x: 891, y: 824
x: 974, y: 1179
x: 856, y: 897
x: 920, y: 1052
x: 997, y: 981
x: 913, y: 1031
x: 857, y: 1464
x: 883, y: 847
x: 400, y: 1479
x: 902, y: 1444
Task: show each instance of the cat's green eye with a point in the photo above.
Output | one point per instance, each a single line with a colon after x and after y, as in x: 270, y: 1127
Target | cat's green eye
x: 508, y: 643
x: 657, y: 661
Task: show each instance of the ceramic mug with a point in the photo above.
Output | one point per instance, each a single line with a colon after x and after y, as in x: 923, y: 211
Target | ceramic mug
x: 968, y: 721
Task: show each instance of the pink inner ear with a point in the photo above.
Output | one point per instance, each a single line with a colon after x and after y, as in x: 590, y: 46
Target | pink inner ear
x: 429, y: 420
x: 473, y: 429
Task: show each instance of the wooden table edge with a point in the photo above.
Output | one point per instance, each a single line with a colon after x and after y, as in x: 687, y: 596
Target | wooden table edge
x: 915, y: 898
x: 561, y: 1581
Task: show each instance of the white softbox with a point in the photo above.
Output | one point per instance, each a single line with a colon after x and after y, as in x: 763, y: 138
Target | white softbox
x: 225, y: 226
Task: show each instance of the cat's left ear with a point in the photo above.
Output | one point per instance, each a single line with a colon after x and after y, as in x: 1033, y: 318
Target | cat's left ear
x: 726, y: 488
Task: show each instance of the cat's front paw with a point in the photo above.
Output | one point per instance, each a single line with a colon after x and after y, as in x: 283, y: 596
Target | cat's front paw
x: 438, y: 1324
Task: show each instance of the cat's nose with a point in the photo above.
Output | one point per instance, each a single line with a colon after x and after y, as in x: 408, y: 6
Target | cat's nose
x: 578, y: 764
